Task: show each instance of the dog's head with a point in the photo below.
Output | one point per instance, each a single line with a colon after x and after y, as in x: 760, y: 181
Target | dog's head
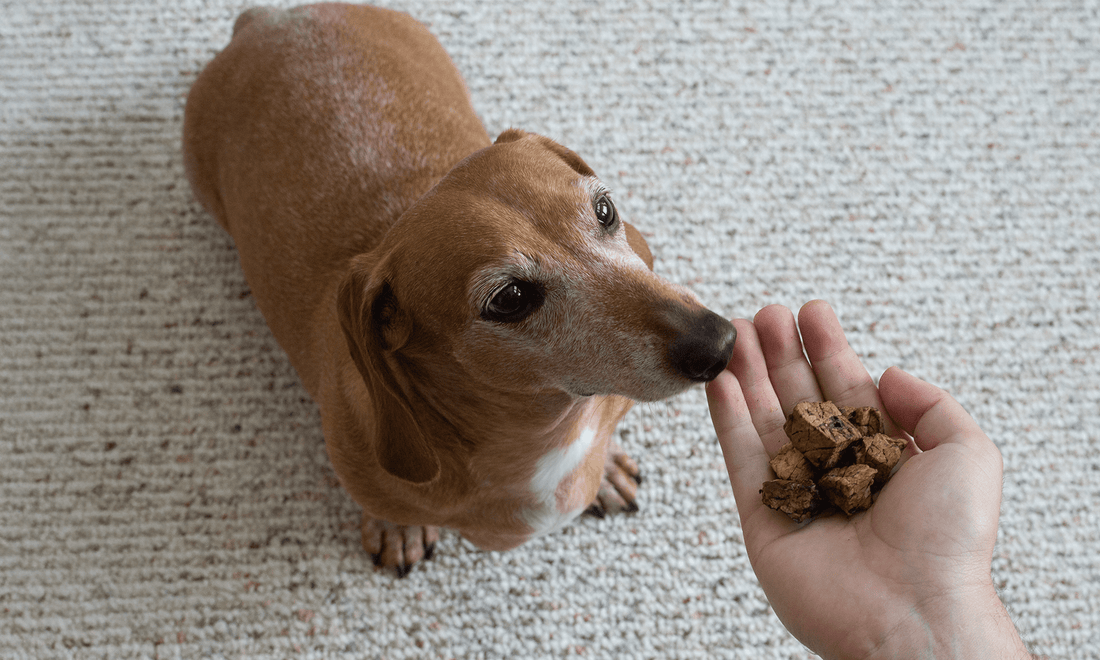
x: 517, y: 276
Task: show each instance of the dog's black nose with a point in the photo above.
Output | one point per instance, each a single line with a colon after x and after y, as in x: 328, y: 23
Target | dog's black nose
x: 704, y: 349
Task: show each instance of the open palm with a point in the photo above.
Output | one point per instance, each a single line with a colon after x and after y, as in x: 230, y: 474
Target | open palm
x: 851, y: 587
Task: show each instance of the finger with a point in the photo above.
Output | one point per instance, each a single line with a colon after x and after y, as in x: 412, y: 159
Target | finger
x: 745, y: 456
x: 840, y: 373
x: 928, y: 413
x: 791, y: 376
x: 751, y: 371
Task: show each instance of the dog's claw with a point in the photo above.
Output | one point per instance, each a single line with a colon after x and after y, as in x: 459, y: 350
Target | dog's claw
x: 595, y: 510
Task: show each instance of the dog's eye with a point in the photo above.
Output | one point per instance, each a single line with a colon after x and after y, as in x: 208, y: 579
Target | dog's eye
x: 514, y: 302
x: 606, y: 214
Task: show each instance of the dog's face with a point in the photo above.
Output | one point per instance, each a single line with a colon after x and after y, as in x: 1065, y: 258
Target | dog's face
x: 516, y: 272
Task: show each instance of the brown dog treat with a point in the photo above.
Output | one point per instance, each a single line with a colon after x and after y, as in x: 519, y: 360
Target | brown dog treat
x: 798, y: 499
x: 881, y: 452
x: 868, y: 419
x: 820, y: 432
x: 844, y: 443
x: 790, y: 464
x: 849, y: 487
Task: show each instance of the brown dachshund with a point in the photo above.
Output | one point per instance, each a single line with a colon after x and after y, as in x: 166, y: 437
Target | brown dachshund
x: 473, y: 318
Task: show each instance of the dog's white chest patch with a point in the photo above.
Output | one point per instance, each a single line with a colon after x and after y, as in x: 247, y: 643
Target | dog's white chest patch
x: 552, y: 468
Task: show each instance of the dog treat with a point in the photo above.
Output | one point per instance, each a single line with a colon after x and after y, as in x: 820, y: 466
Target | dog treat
x: 798, y: 499
x: 849, y: 487
x: 820, y: 432
x: 791, y: 465
x: 868, y: 420
x: 837, y: 455
x: 881, y: 452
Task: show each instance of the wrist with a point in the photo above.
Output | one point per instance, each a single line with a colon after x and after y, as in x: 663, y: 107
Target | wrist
x: 971, y: 625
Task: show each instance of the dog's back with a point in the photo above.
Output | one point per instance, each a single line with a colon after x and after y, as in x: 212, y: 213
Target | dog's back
x: 306, y: 114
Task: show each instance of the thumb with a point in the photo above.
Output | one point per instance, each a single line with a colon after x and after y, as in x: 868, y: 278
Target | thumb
x: 926, y: 412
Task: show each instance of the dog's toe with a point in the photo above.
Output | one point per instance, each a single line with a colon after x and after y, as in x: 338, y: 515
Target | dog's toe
x: 399, y: 547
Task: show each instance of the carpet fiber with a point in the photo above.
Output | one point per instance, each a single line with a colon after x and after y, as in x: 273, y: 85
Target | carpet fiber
x: 932, y: 169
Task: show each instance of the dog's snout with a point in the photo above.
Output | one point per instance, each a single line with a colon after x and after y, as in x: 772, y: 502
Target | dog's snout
x: 704, y: 349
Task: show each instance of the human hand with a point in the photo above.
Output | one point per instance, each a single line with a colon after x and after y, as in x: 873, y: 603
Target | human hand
x: 909, y: 577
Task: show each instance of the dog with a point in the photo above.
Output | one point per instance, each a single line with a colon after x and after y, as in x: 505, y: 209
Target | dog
x: 472, y: 317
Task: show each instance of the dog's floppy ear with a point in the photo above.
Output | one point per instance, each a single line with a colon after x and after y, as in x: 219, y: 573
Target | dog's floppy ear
x: 568, y: 155
x: 376, y: 328
x: 511, y: 135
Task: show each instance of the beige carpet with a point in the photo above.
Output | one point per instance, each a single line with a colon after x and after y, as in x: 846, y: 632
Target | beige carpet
x: 932, y: 169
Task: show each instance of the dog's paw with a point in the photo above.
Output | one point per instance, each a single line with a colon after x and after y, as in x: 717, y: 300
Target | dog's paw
x: 398, y: 547
x: 619, y: 486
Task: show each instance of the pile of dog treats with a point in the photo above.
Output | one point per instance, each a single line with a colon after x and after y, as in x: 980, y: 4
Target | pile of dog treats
x: 836, y: 455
